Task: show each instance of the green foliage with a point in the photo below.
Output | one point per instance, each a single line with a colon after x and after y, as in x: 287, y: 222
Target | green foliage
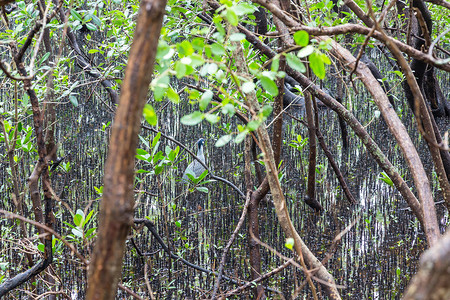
x: 81, y: 228
x: 385, y: 178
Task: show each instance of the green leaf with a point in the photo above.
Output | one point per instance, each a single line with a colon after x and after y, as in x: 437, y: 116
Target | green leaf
x: 173, y: 154
x: 236, y: 37
x: 301, y: 38
x: 317, y: 65
x: 44, y: 57
x: 217, y: 49
x: 155, y: 142
x: 295, y: 63
x: 205, y: 99
x: 73, y: 100
x: 178, y: 224
x: 248, y: 87
x: 202, y: 189
x: 192, y: 119
x: 173, y: 95
x: 141, y: 152
x: 274, y: 66
x: 91, y: 27
x: 150, y: 115
x: 77, y: 232
x: 304, y: 52
x: 253, y: 125
x: 244, y: 9
x: 78, y: 218
x: 88, y: 217
x: 228, y: 109
x: 76, y: 15
x: 231, y: 16
x: 41, y: 247
x: 241, y: 136
x: 267, y: 110
x: 212, y: 118
x: 384, y: 177
x: 223, y: 140
x: 180, y: 69
x: 269, y: 85
x: 289, y: 243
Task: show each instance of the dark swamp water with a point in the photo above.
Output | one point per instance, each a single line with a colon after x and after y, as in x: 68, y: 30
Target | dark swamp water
x: 374, y: 260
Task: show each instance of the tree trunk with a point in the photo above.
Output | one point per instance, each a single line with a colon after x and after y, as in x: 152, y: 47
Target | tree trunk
x: 117, y: 206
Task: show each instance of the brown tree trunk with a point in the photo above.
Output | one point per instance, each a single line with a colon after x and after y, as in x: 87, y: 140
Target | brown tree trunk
x: 433, y: 279
x: 117, y: 206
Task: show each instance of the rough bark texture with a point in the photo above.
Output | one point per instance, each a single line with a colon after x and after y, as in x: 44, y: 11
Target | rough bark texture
x: 433, y: 279
x: 117, y: 206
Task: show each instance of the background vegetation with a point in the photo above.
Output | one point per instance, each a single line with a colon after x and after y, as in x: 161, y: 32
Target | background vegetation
x: 326, y: 128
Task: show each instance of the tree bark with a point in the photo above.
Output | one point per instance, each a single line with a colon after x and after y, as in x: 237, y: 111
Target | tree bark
x: 433, y: 279
x: 117, y: 205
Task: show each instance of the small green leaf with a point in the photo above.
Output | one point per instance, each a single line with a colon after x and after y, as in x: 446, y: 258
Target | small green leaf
x: 77, y: 232
x: 150, y: 115
x: 384, y: 177
x: 304, y: 52
x: 253, y: 125
x: 205, y: 99
x: 248, y: 87
x: 236, y: 37
x: 91, y: 27
x: 289, y: 243
x: 295, y: 63
x: 223, y: 140
x: 78, y: 218
x: 202, y: 189
x: 212, y: 118
x: 180, y: 69
x: 269, y: 85
x: 192, y: 119
x: 267, y: 110
x: 141, y: 152
x: 76, y: 15
x: 228, y: 109
x: 241, y: 136
x: 73, y: 100
x: 244, y: 8
x: 317, y: 65
x: 217, y: 49
x: 173, y: 95
x: 178, y: 224
x: 155, y: 142
x: 301, y: 38
x: 231, y: 16
x: 41, y: 247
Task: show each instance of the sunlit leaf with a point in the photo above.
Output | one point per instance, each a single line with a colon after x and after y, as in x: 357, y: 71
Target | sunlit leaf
x: 236, y: 37
x: 223, y: 140
x: 304, y: 52
x: 202, y: 189
x: 150, y: 115
x: 173, y: 95
x: 289, y: 243
x: 301, y: 38
x: 269, y: 85
x: 248, y: 87
x: 192, y: 119
x: 317, y: 65
x: 295, y: 63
